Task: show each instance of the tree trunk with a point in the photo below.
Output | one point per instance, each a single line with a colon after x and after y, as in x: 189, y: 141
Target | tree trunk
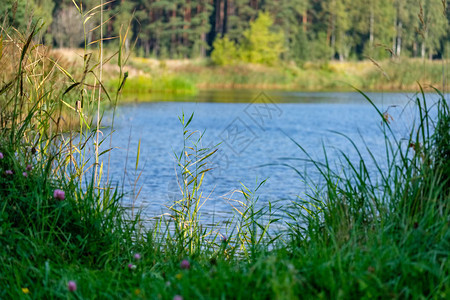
x: 225, y: 17
x: 305, y: 20
x: 147, y: 49
x: 174, y: 38
x: 399, y: 39
x: 187, y: 22
x: 371, y: 25
x: 422, y: 51
x: 202, y: 47
x: 218, y: 17
x: 333, y: 37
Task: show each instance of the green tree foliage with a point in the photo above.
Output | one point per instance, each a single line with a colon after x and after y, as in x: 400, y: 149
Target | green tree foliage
x: 319, y: 48
x: 225, y: 52
x: 239, y: 20
x: 338, y: 27
x: 17, y: 13
x: 300, y: 49
x: 261, y: 45
x: 67, y: 28
x: 406, y: 12
x: 44, y: 13
x: 373, y: 27
x: 311, y: 29
x: 291, y: 17
x: 432, y: 27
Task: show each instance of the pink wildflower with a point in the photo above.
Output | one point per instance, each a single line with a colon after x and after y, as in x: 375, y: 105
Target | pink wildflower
x: 25, y: 174
x: 59, y: 194
x: 137, y: 256
x: 131, y: 267
x: 8, y: 172
x: 185, y: 265
x: 177, y: 297
x: 72, y: 286
x: 1, y: 155
x: 29, y: 167
x: 224, y: 238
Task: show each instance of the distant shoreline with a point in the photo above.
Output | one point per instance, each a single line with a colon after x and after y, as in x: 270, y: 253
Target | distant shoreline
x: 189, y: 76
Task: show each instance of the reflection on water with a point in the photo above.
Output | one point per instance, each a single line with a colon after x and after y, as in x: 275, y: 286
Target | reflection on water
x: 245, y: 96
x: 254, y: 137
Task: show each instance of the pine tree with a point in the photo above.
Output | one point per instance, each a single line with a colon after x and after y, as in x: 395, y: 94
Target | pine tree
x: 291, y: 17
x: 338, y: 27
x: 239, y: 17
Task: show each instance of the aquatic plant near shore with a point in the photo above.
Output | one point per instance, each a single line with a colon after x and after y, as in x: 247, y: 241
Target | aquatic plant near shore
x: 193, y: 165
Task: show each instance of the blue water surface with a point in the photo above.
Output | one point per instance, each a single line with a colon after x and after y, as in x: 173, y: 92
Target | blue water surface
x: 255, y: 134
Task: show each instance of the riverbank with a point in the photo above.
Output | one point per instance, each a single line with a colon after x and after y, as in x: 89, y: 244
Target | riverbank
x: 187, y: 77
x: 64, y: 233
x: 390, y: 75
x: 348, y: 239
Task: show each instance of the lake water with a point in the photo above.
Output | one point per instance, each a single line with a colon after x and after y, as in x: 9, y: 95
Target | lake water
x: 254, y: 131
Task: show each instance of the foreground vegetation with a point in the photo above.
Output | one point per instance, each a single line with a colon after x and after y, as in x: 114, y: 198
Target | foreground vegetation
x: 359, y: 236
x: 380, y: 233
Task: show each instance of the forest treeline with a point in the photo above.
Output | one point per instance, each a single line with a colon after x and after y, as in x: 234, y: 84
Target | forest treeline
x: 301, y: 30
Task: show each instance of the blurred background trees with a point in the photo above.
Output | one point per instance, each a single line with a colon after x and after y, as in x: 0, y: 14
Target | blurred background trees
x: 259, y: 31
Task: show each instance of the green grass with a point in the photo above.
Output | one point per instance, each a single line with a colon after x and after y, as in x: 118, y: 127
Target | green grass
x: 187, y: 77
x: 145, y: 85
x: 360, y: 235
x: 359, y: 238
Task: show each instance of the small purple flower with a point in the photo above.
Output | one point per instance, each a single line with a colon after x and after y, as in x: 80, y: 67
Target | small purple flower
x: 224, y: 238
x: 8, y: 172
x: 1, y: 155
x: 72, y: 286
x: 177, y: 297
x: 29, y: 167
x: 137, y: 256
x: 185, y: 265
x: 59, y: 194
x: 25, y: 174
x: 131, y: 267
